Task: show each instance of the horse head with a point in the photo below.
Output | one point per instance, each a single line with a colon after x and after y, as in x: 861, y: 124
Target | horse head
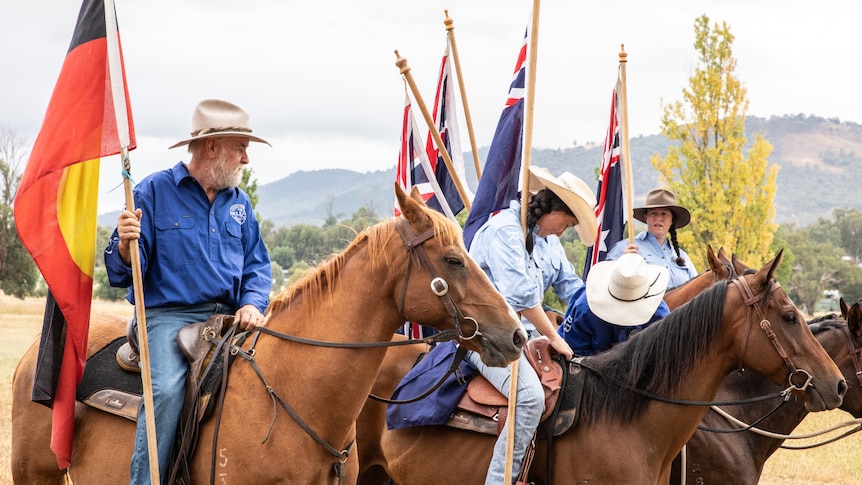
x: 451, y: 291
x: 777, y: 341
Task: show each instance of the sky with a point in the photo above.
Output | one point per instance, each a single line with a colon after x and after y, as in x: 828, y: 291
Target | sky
x: 319, y: 80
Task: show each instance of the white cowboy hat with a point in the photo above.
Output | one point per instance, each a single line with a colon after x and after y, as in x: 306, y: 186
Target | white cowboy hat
x: 627, y: 291
x: 575, y: 194
x: 665, y: 199
x: 214, y: 117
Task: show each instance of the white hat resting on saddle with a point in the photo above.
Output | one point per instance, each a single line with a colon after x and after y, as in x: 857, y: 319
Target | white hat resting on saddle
x: 627, y: 291
x: 574, y: 193
x: 214, y: 117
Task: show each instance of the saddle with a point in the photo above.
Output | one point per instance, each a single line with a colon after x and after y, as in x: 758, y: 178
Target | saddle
x: 484, y: 409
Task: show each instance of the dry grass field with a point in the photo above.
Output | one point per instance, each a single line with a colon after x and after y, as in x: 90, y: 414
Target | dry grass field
x: 838, y: 463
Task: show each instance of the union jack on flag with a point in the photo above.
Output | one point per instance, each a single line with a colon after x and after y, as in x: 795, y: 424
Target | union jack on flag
x: 610, y: 216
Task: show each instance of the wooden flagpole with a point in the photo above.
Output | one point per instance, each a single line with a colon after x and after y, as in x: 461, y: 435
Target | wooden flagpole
x: 529, y: 103
x: 401, y: 63
x: 450, y: 32
x: 627, y: 162
x: 118, y: 92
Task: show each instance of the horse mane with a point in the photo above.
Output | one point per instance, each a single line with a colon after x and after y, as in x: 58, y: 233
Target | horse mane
x: 318, y: 285
x: 653, y: 360
x: 825, y: 322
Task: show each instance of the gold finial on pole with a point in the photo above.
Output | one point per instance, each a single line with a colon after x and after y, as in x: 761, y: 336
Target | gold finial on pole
x: 404, y: 69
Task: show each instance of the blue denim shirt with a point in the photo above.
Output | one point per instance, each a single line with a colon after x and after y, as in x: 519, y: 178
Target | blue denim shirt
x: 664, y: 255
x: 193, y: 252
x: 498, y: 248
x: 587, y: 334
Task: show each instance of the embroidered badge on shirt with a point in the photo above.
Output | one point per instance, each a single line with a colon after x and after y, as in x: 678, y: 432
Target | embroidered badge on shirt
x: 237, y: 211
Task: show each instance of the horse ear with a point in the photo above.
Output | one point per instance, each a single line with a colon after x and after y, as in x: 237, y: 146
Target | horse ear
x: 844, y: 308
x: 711, y: 261
x: 410, y: 208
x: 767, y: 272
x: 854, y: 318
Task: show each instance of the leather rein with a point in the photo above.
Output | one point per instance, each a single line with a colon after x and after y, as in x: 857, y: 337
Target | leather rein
x: 439, y: 287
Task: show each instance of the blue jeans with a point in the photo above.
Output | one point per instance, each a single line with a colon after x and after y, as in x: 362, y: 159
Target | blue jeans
x: 168, y: 369
x: 529, y: 406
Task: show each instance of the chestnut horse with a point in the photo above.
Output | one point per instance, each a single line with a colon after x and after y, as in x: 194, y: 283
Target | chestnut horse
x: 720, y: 269
x: 713, y: 458
x: 360, y: 296
x: 643, y: 398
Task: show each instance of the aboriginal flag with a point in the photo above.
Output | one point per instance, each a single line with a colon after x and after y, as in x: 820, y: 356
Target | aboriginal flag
x: 88, y: 117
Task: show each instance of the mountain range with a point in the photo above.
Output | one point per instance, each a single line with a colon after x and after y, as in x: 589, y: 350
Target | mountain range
x: 819, y: 162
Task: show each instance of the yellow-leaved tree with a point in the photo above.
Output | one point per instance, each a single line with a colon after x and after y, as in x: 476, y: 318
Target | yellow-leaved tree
x: 730, y: 195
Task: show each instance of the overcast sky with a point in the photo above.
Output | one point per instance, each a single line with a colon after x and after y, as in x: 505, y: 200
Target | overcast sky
x: 319, y: 80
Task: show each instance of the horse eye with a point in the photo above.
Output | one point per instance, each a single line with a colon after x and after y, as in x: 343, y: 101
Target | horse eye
x: 790, y: 317
x: 454, y: 262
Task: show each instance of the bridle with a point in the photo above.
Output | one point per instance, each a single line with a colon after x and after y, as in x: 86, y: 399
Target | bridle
x: 439, y: 286
x: 756, y: 303
x: 854, y: 353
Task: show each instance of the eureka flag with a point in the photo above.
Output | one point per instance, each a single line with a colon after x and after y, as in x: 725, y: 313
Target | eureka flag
x: 502, y: 172
x: 56, y: 204
x: 609, y: 211
x: 414, y: 169
x: 446, y: 121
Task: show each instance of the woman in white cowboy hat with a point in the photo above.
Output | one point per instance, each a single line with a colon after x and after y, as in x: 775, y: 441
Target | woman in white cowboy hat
x: 658, y: 244
x: 201, y: 254
x: 522, y: 267
x: 620, y: 297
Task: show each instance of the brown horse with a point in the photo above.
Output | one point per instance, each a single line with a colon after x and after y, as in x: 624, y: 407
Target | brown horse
x: 713, y: 458
x: 720, y: 269
x: 361, y: 295
x: 624, y: 435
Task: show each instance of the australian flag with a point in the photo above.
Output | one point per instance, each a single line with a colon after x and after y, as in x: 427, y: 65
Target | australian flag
x: 609, y: 211
x: 446, y: 119
x: 502, y: 172
x: 414, y: 169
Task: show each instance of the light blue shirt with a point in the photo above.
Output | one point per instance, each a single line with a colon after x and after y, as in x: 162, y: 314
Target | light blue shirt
x: 522, y: 279
x: 192, y: 251
x: 664, y: 255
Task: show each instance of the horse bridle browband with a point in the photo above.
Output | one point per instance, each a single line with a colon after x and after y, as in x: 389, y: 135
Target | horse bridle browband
x: 755, y: 303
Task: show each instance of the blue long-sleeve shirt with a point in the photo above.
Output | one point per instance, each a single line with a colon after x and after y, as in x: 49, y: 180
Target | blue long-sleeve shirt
x: 498, y: 248
x: 192, y: 251
x: 587, y: 334
x: 663, y: 255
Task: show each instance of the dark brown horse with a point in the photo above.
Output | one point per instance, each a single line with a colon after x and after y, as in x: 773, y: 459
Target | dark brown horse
x: 719, y: 458
x: 622, y: 435
x: 412, y: 268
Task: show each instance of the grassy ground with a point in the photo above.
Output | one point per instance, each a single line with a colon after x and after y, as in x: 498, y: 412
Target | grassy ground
x: 833, y: 464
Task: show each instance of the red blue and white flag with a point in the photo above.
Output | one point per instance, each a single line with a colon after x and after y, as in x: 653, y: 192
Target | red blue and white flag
x: 446, y: 120
x: 610, y: 215
x: 414, y: 169
x: 502, y: 172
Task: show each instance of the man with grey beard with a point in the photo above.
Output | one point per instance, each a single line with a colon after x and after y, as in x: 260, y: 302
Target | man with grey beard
x: 201, y: 254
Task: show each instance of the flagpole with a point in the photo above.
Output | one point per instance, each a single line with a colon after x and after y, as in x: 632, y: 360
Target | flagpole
x: 401, y: 63
x: 118, y: 91
x: 624, y: 115
x: 450, y: 32
x: 529, y: 103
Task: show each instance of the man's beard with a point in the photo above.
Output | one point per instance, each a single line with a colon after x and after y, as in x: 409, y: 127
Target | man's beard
x: 223, y: 175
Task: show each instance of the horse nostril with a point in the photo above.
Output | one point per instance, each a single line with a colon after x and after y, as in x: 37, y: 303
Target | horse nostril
x: 842, y: 388
x: 519, y: 339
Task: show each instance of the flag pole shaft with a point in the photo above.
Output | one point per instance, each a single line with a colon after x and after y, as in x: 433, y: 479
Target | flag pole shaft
x: 143, y: 344
x: 627, y: 162
x: 450, y: 32
x: 529, y: 103
x: 405, y: 71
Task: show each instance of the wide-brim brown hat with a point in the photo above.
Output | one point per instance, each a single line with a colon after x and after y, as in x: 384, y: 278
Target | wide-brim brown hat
x: 214, y: 117
x: 626, y: 291
x: 663, y: 199
x: 575, y: 194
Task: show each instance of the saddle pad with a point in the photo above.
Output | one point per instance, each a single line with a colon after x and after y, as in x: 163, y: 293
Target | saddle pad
x: 106, y: 386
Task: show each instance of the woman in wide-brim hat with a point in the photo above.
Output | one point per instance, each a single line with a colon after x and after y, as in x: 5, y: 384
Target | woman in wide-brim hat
x: 522, y: 267
x: 658, y: 244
